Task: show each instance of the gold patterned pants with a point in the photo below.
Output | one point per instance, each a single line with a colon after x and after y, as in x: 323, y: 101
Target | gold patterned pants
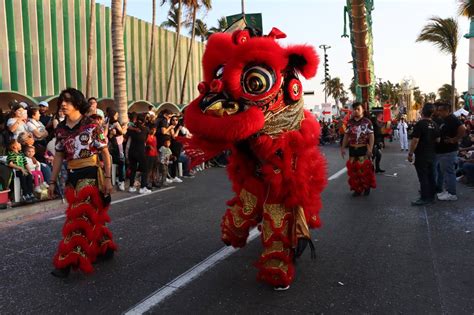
x: 275, y: 264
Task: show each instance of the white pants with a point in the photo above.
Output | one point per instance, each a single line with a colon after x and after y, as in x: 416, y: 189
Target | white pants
x: 403, y: 141
x: 395, y: 134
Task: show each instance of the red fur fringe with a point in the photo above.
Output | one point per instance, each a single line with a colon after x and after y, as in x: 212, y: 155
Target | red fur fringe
x: 361, y: 175
x: 87, y: 219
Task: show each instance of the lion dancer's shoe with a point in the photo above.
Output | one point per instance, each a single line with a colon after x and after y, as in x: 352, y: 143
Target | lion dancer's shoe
x: 361, y: 175
x: 85, y: 235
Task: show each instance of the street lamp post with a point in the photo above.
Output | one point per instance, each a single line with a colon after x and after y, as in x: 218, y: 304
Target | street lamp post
x: 327, y: 77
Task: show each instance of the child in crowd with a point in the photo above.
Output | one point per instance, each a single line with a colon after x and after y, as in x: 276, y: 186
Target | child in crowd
x: 165, y: 158
x: 152, y: 157
x: 17, y: 161
x: 34, y: 167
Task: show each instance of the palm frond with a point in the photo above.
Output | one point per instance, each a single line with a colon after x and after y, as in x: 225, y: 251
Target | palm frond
x: 442, y: 33
x: 466, y: 8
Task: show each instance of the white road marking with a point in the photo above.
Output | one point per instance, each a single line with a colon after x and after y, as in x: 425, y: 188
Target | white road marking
x: 197, y: 270
x: 182, y: 280
x: 122, y: 200
x: 339, y: 173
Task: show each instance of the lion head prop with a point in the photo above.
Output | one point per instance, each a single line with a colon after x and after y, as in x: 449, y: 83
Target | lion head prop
x: 248, y: 80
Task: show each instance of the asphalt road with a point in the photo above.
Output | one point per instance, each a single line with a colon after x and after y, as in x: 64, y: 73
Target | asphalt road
x: 375, y: 255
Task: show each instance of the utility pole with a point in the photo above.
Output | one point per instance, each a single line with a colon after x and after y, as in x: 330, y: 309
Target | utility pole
x: 327, y: 77
x: 243, y: 10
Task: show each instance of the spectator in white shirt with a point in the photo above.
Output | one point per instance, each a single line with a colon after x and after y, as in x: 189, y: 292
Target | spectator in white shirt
x: 35, y: 126
x: 16, y: 123
x: 403, y: 134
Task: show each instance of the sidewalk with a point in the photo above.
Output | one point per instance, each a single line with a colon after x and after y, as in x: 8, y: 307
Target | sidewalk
x: 19, y: 213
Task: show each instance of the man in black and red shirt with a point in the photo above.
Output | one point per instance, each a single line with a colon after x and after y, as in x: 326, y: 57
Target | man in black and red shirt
x: 359, y: 137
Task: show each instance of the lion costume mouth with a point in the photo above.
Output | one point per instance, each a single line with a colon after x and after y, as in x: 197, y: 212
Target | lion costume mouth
x: 217, y: 104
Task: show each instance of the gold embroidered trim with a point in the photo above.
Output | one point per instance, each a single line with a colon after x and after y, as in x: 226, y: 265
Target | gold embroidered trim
x: 249, y: 201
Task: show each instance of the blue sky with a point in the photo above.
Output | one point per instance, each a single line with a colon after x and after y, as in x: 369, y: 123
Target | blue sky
x: 396, y: 25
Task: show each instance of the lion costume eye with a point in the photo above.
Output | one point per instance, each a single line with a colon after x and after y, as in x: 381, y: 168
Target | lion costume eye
x: 258, y: 80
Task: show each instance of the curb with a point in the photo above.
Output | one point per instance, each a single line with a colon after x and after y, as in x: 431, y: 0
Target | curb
x: 15, y: 213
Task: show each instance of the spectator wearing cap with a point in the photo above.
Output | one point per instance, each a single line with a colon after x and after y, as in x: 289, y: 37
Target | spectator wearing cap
x: 45, y: 118
x: 93, y: 109
x: 16, y: 123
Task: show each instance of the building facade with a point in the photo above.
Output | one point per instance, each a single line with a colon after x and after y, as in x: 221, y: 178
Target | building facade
x: 43, y: 49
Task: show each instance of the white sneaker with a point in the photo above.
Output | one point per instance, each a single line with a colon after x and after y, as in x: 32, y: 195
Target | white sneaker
x: 45, y: 184
x: 177, y: 180
x: 448, y: 197
x: 121, y: 186
x: 281, y: 288
x: 168, y: 181
x: 132, y: 189
x: 144, y: 190
x: 38, y: 189
x: 441, y: 194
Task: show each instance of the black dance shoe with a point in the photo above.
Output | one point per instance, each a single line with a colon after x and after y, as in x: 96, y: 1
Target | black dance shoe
x: 367, y: 192
x: 379, y: 170
x: 61, y: 273
x: 355, y: 194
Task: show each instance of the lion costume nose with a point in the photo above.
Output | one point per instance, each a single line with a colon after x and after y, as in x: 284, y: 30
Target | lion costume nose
x: 217, y: 86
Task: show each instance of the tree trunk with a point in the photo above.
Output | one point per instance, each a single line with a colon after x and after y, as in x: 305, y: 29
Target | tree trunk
x: 120, y: 84
x: 176, y: 51
x: 124, y: 6
x: 90, y: 49
x: 193, y: 34
x: 453, y: 86
x: 150, y: 60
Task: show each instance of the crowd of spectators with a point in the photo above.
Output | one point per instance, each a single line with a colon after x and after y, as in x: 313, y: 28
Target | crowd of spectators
x: 147, y: 152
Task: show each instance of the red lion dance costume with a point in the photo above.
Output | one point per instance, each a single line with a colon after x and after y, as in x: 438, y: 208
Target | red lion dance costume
x: 251, y: 103
x: 359, y: 166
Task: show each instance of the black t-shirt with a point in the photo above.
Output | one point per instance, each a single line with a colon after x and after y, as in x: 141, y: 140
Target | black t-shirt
x: 426, y: 131
x: 160, y: 123
x: 448, y: 129
x: 138, y: 139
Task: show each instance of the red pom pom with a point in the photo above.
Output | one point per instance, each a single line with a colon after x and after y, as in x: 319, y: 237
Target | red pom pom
x: 203, y: 87
x: 240, y: 37
x: 217, y: 86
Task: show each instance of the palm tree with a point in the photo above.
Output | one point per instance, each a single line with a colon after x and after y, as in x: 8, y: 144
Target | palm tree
x: 221, y: 26
x: 444, y: 34
x: 148, y: 80
x: 174, y: 20
x: 417, y: 97
x: 432, y: 96
x: 335, y: 88
x: 193, y: 7
x: 466, y: 9
x: 124, y: 7
x: 445, y: 93
x: 90, y: 49
x: 120, y: 83
x: 201, y: 30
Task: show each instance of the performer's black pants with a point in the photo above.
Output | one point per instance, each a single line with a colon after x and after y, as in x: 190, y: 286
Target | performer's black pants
x: 377, y: 156
x: 138, y: 162
x: 425, y: 169
x: 357, y: 151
